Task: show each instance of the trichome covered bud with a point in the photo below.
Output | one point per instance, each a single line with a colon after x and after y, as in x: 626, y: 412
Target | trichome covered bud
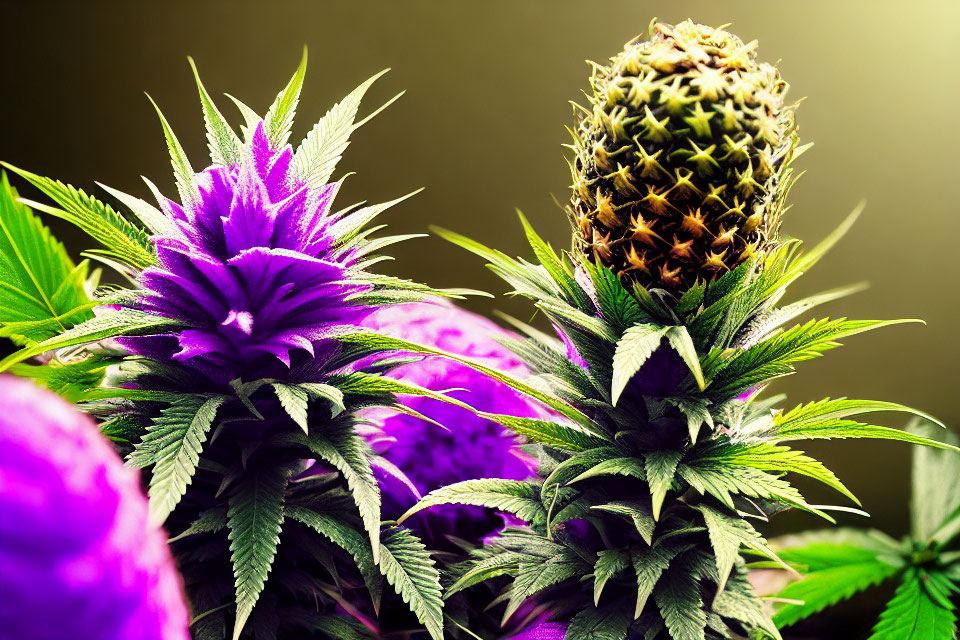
x: 682, y: 161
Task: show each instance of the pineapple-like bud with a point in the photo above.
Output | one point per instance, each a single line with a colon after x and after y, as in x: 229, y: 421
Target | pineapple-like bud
x: 682, y: 161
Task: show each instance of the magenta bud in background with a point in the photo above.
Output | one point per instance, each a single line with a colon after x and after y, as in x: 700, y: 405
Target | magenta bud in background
x: 78, y: 558
x: 472, y: 447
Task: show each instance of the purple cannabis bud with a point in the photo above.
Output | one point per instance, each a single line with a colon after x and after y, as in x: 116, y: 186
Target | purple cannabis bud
x: 253, y: 263
x: 78, y: 557
x: 472, y: 447
x: 543, y: 631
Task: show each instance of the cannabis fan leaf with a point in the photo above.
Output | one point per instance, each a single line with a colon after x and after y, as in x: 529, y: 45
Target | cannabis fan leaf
x: 838, y: 564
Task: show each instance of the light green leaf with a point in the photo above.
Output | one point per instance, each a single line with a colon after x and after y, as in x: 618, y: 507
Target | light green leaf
x: 318, y: 154
x: 255, y: 517
x: 124, y: 322
x: 513, y: 496
x: 279, y: 118
x: 852, y: 572
x: 547, y: 432
x: 151, y: 217
x: 123, y: 241
x: 558, y: 271
x: 914, y: 613
x: 935, y: 495
x: 412, y: 572
x: 347, y: 228
x: 42, y: 293
x: 740, y: 370
x: 634, y: 348
x: 250, y: 117
x: 223, y: 142
x: 778, y: 458
x: 182, y: 169
x: 376, y: 343
x: 73, y: 380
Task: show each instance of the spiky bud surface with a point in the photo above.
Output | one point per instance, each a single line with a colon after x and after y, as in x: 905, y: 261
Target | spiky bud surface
x: 682, y: 159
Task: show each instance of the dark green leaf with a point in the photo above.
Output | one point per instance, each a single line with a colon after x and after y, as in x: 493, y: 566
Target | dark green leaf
x: 254, y: 516
x: 412, y: 572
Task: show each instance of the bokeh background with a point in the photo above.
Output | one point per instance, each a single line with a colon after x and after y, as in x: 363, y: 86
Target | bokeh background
x: 488, y: 88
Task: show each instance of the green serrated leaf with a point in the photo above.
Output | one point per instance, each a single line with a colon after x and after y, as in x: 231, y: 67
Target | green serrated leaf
x: 649, y: 564
x: 347, y: 452
x: 620, y: 466
x: 633, y: 349
x: 680, y: 603
x: 209, y: 521
x: 537, y: 573
x: 606, y: 623
x: 223, y: 142
x: 547, y: 432
x: 637, y: 513
x: 769, y: 457
x: 727, y: 535
x: 347, y: 538
x: 293, y: 399
x: 331, y: 394
x: 182, y: 169
x: 660, y: 467
x: 122, y: 240
x: 151, y: 217
x: 915, y: 614
x: 373, y: 343
x: 682, y: 343
x: 173, y: 443
x: 934, y: 498
x: 42, y: 293
x: 610, y: 562
x: 123, y: 322
x: 318, y: 154
x: 279, y: 118
x: 852, y: 571
x: 522, y: 499
x: 254, y: 517
x: 409, y: 568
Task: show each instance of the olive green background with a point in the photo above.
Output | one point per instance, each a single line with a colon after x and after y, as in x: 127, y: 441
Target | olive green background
x: 480, y: 127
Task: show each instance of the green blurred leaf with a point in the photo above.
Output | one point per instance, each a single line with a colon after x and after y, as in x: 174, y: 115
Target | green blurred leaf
x: 42, y: 293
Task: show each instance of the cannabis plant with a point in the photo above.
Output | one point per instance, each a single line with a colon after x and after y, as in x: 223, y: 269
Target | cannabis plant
x: 648, y: 487
x: 925, y: 565
x: 224, y: 368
